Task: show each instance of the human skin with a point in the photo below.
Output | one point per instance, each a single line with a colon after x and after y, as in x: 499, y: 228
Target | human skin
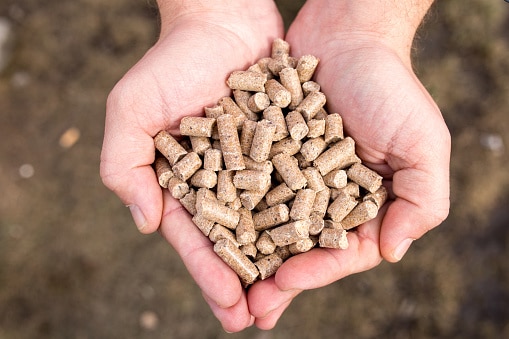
x: 366, y: 73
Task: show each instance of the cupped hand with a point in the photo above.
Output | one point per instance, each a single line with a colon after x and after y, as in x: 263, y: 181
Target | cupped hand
x: 182, y: 73
x: 399, y: 132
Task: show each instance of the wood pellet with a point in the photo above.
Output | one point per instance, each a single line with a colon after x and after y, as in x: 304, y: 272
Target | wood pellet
x: 267, y: 172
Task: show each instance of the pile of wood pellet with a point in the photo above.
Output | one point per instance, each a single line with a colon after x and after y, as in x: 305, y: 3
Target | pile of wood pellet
x: 268, y: 173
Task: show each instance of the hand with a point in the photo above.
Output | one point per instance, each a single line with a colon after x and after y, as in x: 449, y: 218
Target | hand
x: 200, y: 44
x: 399, y: 132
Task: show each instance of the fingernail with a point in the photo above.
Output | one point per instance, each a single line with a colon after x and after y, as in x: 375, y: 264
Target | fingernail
x: 138, y: 216
x: 402, y: 248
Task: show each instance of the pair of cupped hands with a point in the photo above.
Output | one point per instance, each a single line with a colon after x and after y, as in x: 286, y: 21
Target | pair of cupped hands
x: 368, y: 79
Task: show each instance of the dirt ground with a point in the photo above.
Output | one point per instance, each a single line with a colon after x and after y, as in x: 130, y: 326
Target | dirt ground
x: 73, y: 265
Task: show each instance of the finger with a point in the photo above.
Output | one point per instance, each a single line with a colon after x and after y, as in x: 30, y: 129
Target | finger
x: 270, y: 320
x: 322, y: 266
x: 234, y: 318
x: 216, y: 280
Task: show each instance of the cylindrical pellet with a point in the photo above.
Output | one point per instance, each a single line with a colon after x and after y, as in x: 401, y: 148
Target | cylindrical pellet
x: 297, y: 126
x: 333, y: 238
x: 163, y: 171
x: 336, y: 178
x: 287, y: 145
x: 280, y: 48
x: 339, y: 156
x: 321, y: 202
x: 237, y: 261
x: 230, y: 144
x: 262, y: 140
x: 316, y: 223
x: 204, y: 178
x: 316, y: 128
x: 379, y: 197
x: 187, y: 166
x: 302, y: 204
x: 314, y: 179
x: 289, y: 233
x: 251, y: 198
x: 333, y: 128
x: 310, y: 86
x: 245, y: 231
x: 290, y: 80
x: 312, y: 148
x: 231, y: 108
x: 213, y: 159
x: 258, y: 102
x: 169, y: 147
x: 363, y: 212
x: 251, y: 180
x: 341, y: 206
x: 279, y: 195
x: 226, y: 190
x: 365, y: 177
x: 311, y: 104
x: 241, y: 99
x: 219, y: 232
x: 351, y: 189
x: 247, y: 135
x: 189, y: 202
x: 263, y: 63
x: 283, y: 252
x: 287, y: 166
x: 264, y: 244
x: 249, y: 250
x: 235, y: 205
x: 301, y: 246
x: 275, y: 114
x: 178, y: 188
x: 264, y: 166
x: 277, y: 93
x: 267, y: 266
x: 271, y: 217
x: 214, y: 111
x: 200, y: 144
x: 214, y: 211
x: 306, y: 67
x: 204, y: 225
x: 247, y: 81
x: 197, y: 126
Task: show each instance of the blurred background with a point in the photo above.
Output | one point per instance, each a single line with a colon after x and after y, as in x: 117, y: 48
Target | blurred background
x: 73, y: 265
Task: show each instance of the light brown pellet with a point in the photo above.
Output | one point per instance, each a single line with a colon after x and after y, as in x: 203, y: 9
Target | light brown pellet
x: 321, y: 202
x: 237, y: 261
x: 310, y: 86
x: 311, y: 104
x: 230, y: 107
x: 218, y: 213
x: 247, y: 81
x: 163, y: 171
x: 314, y: 179
x: 279, y: 95
x: 279, y: 195
x: 263, y: 63
x: 289, y: 233
x: 277, y: 65
x: 249, y: 250
x: 363, y: 212
x: 365, y: 177
x: 262, y: 140
x: 283, y: 252
x: 251, y: 198
x: 316, y: 128
x: 213, y: 159
x: 219, y: 232
x: 200, y: 144
x: 247, y: 135
x: 189, y: 202
x: 333, y: 128
x: 230, y: 144
x: 336, y: 178
x: 287, y: 145
x: 333, y: 224
x: 312, y: 148
x: 303, y: 163
x: 301, y: 246
x: 264, y: 166
x: 258, y: 102
x: 187, y: 166
x: 287, y: 166
x: 267, y: 266
x: 280, y: 48
x: 197, y: 126
x: 204, y: 193
x: 241, y: 99
x: 251, y: 180
x: 297, y: 126
x: 306, y: 67
x: 226, y: 190
x: 379, y: 197
x: 340, y: 155
x: 316, y: 223
x: 351, y: 189
x: 245, y: 231
x: 204, y: 178
x: 275, y: 114
x: 214, y: 111
x: 321, y: 115
x: 264, y: 244
x: 235, y: 205
x: 169, y: 147
x: 333, y: 238
x: 302, y: 204
x: 290, y: 80
x: 341, y: 206
x: 271, y: 217
x: 178, y: 188
x: 203, y: 224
